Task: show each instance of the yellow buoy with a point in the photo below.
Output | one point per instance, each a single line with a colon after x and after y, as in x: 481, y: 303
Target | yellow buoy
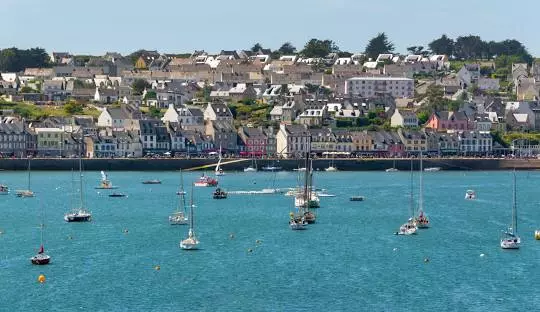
x: 537, y: 234
x: 41, y: 278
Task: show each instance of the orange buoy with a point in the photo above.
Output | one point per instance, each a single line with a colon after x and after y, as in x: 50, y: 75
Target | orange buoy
x: 41, y: 279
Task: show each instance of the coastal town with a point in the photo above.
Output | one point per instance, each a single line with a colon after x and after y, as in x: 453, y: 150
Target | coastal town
x: 450, y: 100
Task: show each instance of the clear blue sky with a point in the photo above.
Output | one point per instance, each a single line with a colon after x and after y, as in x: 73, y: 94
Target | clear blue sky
x: 175, y: 26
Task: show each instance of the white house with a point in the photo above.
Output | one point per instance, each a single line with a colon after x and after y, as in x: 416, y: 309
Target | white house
x: 372, y: 86
x: 403, y: 118
x: 113, y: 117
x: 292, y: 141
x: 218, y: 112
x: 189, y: 118
x: 106, y: 96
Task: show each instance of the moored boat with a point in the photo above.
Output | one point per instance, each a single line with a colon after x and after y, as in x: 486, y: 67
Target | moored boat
x: 4, y: 189
x: 179, y: 216
x: 206, y: 181
x: 79, y: 214
x: 356, y: 198
x: 191, y: 242
x: 219, y: 193
x: 510, y: 239
x: 152, y: 182
x: 470, y: 194
x: 117, y: 195
x: 41, y: 258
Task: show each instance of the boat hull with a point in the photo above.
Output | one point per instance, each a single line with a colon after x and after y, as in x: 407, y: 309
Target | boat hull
x: 189, y: 244
x: 117, y: 195
x: 106, y: 188
x: 356, y: 198
x: 40, y: 260
x: 72, y: 218
x: 507, y: 244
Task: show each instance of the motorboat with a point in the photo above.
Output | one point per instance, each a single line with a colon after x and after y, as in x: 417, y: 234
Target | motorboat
x: 392, y: 170
x: 323, y: 194
x: 250, y: 169
x: 4, y: 189
x: 300, y: 169
x: 408, y: 228
x: 152, y: 182
x: 271, y: 168
x: 470, y: 194
x: 206, y: 181
x: 432, y: 169
x: 219, y: 194
x: 117, y: 195
x: 297, y: 223
x: 356, y: 198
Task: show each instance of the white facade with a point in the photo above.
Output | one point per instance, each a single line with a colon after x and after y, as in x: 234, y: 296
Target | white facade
x: 372, y: 86
x: 292, y: 141
x: 406, y: 119
x: 472, y: 141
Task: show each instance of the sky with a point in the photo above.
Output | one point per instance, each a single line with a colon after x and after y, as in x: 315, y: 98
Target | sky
x: 180, y: 26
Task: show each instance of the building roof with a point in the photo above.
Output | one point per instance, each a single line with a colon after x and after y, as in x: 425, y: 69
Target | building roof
x: 117, y: 113
x: 447, y: 115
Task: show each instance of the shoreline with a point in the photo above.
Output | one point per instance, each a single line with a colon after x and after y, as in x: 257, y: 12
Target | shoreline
x: 238, y: 164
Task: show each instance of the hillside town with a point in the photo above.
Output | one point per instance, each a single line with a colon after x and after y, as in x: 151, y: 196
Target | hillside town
x: 263, y: 103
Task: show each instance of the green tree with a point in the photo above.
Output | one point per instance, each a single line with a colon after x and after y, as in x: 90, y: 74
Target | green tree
x: 15, y: 60
x: 470, y: 47
x: 379, y: 45
x: 256, y: 47
x: 287, y: 48
x: 27, y: 89
x: 443, y: 45
x: 319, y: 48
x: 155, y: 112
x: 139, y: 85
x: 72, y: 108
x: 422, y: 117
x: 418, y: 50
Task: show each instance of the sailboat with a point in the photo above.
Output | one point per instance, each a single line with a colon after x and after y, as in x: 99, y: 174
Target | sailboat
x: 308, y: 198
x: 510, y: 238
x: 105, y: 183
x: 191, y: 242
x: 331, y: 168
x: 79, y: 214
x: 27, y: 192
x: 410, y: 227
x: 393, y: 169
x: 219, y: 171
x: 179, y: 216
x: 252, y: 167
x: 41, y: 258
x: 422, y: 221
x: 305, y: 200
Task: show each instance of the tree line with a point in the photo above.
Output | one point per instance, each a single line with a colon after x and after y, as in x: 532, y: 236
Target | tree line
x: 16, y: 60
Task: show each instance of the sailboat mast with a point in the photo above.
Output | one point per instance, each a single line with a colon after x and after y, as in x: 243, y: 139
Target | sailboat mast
x: 29, y: 169
x: 182, y: 192
x: 306, y: 180
x: 191, y: 210
x: 421, y: 196
x: 80, y: 180
x: 411, y: 207
x: 514, y: 204
x: 42, y: 221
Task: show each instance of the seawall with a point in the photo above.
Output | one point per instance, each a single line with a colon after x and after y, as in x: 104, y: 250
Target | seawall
x: 287, y: 164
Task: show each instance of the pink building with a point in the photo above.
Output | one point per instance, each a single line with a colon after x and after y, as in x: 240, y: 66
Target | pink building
x: 443, y: 121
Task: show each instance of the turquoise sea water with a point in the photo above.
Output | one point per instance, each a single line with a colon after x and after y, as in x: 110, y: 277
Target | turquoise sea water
x: 349, y: 261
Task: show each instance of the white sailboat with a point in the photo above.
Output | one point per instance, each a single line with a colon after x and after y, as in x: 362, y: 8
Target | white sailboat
x: 470, y: 194
x: 510, y: 238
x: 179, y: 216
x: 28, y: 192
x: 422, y: 221
x: 79, y: 214
x: 219, y: 171
x: 331, y: 167
x: 191, y: 242
x: 308, y: 198
x: 252, y: 167
x: 393, y: 169
x: 409, y: 228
